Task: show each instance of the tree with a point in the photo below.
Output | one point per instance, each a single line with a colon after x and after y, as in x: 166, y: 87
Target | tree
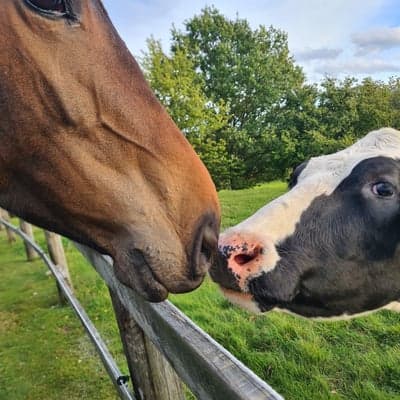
x: 251, y: 71
x: 179, y: 88
x: 238, y: 96
x: 337, y: 106
x: 373, y: 106
x: 349, y: 109
x: 394, y: 86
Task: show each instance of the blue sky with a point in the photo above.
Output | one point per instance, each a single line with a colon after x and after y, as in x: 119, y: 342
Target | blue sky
x: 335, y: 37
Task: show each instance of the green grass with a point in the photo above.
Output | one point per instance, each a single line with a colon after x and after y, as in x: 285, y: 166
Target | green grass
x: 44, y: 354
x: 44, y: 351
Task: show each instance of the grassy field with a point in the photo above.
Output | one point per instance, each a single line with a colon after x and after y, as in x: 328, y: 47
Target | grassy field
x: 44, y: 354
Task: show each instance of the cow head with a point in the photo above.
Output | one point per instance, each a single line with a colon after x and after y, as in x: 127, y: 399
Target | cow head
x: 330, y: 245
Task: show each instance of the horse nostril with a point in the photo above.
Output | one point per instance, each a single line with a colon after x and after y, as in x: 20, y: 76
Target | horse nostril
x: 209, y: 243
x: 206, y: 251
x: 204, y: 248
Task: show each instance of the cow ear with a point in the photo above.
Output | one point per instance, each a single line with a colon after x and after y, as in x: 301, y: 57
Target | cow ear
x: 295, y: 174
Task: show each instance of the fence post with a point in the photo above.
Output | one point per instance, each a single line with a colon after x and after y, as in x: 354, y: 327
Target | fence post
x: 28, y: 230
x: 57, y: 255
x: 10, y: 234
x: 152, y: 376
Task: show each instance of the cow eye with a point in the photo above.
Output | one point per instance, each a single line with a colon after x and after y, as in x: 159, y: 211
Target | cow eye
x: 48, y: 5
x: 383, y: 189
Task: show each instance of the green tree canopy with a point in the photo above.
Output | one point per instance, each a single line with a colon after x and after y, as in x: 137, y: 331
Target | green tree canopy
x: 243, y: 103
x: 180, y: 89
x: 250, y: 70
x: 247, y: 75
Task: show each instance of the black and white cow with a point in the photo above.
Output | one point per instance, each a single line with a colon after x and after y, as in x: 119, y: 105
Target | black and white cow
x: 330, y: 246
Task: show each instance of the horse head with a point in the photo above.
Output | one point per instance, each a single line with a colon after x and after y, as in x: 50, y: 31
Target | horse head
x: 87, y: 151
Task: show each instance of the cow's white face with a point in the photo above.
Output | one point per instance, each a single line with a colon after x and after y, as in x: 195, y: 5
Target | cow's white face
x: 328, y: 247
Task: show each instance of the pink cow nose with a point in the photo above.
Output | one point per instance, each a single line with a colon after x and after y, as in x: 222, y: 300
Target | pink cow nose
x: 243, y: 254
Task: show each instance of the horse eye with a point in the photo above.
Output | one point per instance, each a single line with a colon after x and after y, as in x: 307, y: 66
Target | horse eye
x: 49, y: 5
x: 383, y: 189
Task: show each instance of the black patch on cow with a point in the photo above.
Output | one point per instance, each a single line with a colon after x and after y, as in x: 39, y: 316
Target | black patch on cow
x: 296, y: 173
x: 222, y: 274
x: 343, y: 256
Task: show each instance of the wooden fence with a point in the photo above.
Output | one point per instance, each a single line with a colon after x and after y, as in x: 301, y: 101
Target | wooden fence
x: 163, y: 346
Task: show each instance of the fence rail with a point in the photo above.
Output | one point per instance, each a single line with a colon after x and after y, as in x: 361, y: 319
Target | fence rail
x: 209, y: 370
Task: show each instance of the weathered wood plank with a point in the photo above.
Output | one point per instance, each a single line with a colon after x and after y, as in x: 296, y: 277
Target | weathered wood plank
x: 153, y: 378
x: 57, y: 255
x: 10, y: 233
x: 209, y: 370
x: 28, y: 230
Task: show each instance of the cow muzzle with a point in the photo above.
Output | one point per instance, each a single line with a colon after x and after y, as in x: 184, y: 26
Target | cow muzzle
x: 242, y: 257
x: 249, y: 273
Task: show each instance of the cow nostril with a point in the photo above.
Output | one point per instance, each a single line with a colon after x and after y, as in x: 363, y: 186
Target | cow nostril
x: 245, y: 258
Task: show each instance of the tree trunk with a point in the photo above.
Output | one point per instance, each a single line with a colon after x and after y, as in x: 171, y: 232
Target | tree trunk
x: 152, y: 376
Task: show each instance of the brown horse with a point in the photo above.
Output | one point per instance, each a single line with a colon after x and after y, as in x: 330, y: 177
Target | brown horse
x: 86, y: 150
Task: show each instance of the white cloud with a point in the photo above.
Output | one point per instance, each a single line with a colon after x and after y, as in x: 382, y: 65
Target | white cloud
x: 358, y: 66
x: 312, y: 23
x: 376, y: 40
x: 321, y: 33
x: 317, y: 54
x: 309, y: 23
